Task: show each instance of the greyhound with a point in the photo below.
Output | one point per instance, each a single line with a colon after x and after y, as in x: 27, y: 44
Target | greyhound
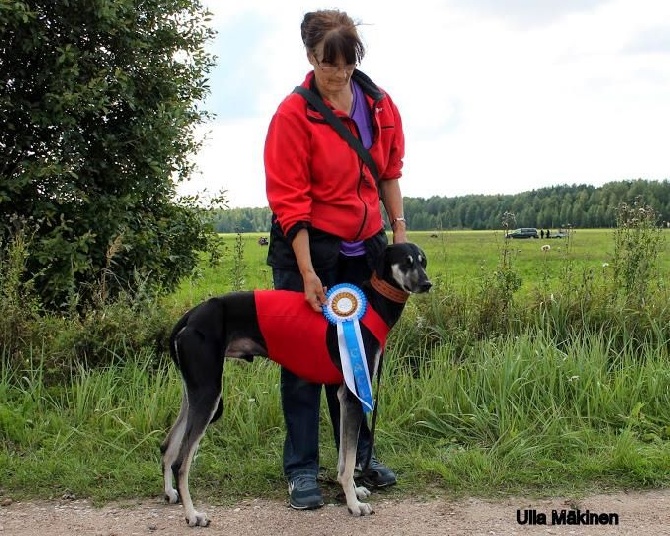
x: 235, y: 325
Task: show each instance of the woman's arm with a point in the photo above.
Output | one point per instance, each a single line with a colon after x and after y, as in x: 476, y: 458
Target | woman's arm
x: 315, y: 293
x: 392, y: 199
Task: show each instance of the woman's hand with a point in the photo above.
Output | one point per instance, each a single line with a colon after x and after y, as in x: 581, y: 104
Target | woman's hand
x: 315, y: 292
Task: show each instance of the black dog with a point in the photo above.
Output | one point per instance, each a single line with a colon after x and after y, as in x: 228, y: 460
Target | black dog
x: 230, y: 326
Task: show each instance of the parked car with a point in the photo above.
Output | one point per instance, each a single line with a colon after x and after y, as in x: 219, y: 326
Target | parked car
x: 523, y: 232
x: 558, y: 234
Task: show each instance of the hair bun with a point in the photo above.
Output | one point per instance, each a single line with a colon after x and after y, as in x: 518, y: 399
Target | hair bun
x: 303, y: 26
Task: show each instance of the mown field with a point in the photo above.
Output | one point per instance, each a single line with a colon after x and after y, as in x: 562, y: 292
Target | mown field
x: 558, y: 386
x: 458, y: 257
x: 460, y: 262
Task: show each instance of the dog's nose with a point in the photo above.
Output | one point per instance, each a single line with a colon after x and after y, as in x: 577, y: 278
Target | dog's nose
x: 425, y: 286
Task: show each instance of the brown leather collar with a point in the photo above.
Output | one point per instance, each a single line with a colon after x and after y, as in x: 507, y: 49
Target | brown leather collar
x: 387, y: 290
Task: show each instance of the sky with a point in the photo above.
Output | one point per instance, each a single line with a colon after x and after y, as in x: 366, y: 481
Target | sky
x: 496, y: 96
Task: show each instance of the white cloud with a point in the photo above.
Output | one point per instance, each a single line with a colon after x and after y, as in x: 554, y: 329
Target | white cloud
x: 525, y: 13
x: 231, y: 159
x: 492, y: 101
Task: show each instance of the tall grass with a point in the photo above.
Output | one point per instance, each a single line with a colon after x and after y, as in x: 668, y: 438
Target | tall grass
x: 527, y: 370
x: 519, y: 415
x: 99, y: 434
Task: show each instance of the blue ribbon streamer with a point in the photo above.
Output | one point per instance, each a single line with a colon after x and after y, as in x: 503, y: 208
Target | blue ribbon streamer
x: 360, y: 374
x: 354, y: 360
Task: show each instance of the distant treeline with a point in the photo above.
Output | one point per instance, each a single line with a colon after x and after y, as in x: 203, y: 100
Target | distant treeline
x: 554, y: 207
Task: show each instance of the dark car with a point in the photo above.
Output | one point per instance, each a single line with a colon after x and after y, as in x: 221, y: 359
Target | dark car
x: 523, y: 232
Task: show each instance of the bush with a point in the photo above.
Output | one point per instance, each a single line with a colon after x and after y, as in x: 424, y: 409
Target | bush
x: 110, y: 330
x: 119, y: 86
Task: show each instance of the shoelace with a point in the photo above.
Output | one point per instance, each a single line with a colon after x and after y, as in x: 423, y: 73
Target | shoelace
x: 374, y: 463
x: 303, y: 482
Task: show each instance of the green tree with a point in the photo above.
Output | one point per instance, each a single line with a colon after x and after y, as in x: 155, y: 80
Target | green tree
x: 98, y: 104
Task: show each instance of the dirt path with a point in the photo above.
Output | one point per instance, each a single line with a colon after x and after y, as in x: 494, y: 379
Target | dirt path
x: 639, y: 513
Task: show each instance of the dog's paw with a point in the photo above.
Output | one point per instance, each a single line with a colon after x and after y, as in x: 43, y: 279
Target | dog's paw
x: 197, y: 519
x: 361, y: 509
x: 172, y: 496
x: 362, y: 492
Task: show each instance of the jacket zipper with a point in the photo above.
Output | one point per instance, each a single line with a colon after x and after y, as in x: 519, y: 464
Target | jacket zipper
x: 361, y: 178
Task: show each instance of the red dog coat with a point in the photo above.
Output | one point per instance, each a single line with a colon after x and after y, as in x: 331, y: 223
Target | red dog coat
x: 295, y: 335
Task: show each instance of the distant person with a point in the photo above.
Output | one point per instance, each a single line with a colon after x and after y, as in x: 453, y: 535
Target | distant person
x: 327, y: 225
x: 547, y: 233
x: 541, y: 233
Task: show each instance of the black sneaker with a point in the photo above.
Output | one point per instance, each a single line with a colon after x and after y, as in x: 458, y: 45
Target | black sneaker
x: 304, y: 493
x: 377, y: 475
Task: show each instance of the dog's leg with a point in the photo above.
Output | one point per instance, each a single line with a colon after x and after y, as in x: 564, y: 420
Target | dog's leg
x: 200, y: 413
x: 201, y: 367
x: 351, y: 416
x: 170, y: 449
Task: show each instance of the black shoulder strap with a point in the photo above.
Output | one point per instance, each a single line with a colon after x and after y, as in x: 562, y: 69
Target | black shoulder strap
x: 341, y: 129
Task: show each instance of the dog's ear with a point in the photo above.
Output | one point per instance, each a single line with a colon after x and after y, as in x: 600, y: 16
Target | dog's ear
x: 381, y: 265
x: 422, y: 256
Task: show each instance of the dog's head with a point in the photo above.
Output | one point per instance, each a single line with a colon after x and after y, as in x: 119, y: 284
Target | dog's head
x: 404, y: 266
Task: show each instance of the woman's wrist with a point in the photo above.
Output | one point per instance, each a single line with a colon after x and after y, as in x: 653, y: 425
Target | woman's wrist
x: 398, y: 220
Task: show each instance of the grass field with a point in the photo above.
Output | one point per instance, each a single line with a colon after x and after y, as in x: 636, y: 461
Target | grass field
x: 538, y: 411
x: 459, y: 258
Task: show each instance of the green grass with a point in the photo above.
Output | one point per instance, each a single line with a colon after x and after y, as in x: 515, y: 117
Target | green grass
x: 518, y: 417
x: 212, y: 280
x: 455, y: 257
x: 460, y: 257
x: 556, y: 406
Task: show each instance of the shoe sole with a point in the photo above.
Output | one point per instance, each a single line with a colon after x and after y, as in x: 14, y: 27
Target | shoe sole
x: 307, y: 507
x: 373, y: 485
x: 379, y: 486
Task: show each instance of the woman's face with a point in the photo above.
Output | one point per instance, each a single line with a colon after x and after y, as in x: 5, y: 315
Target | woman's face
x: 330, y: 77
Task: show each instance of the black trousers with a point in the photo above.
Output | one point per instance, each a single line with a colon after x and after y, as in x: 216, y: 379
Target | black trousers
x: 301, y: 399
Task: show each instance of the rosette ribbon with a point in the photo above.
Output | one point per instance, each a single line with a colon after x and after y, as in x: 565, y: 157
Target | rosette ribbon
x: 345, y: 306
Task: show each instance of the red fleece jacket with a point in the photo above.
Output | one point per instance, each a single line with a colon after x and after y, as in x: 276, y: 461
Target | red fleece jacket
x: 314, y: 178
x: 295, y: 335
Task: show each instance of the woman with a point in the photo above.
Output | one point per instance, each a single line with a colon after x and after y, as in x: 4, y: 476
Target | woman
x: 327, y: 224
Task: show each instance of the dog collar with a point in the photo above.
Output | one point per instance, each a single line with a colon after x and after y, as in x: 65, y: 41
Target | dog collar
x: 387, y: 290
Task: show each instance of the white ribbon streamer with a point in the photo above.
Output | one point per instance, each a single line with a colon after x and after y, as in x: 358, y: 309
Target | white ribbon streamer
x: 362, y: 391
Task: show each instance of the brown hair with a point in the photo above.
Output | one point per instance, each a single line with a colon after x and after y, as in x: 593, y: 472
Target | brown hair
x: 337, y: 31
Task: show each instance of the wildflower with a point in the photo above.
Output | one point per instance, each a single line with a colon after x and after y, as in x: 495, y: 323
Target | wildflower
x: 546, y: 248
x: 606, y: 264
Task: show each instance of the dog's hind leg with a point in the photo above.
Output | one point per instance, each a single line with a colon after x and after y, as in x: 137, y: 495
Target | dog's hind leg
x: 201, y: 367
x: 200, y: 413
x: 170, y: 450
x: 351, y: 417
x: 171, y: 445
